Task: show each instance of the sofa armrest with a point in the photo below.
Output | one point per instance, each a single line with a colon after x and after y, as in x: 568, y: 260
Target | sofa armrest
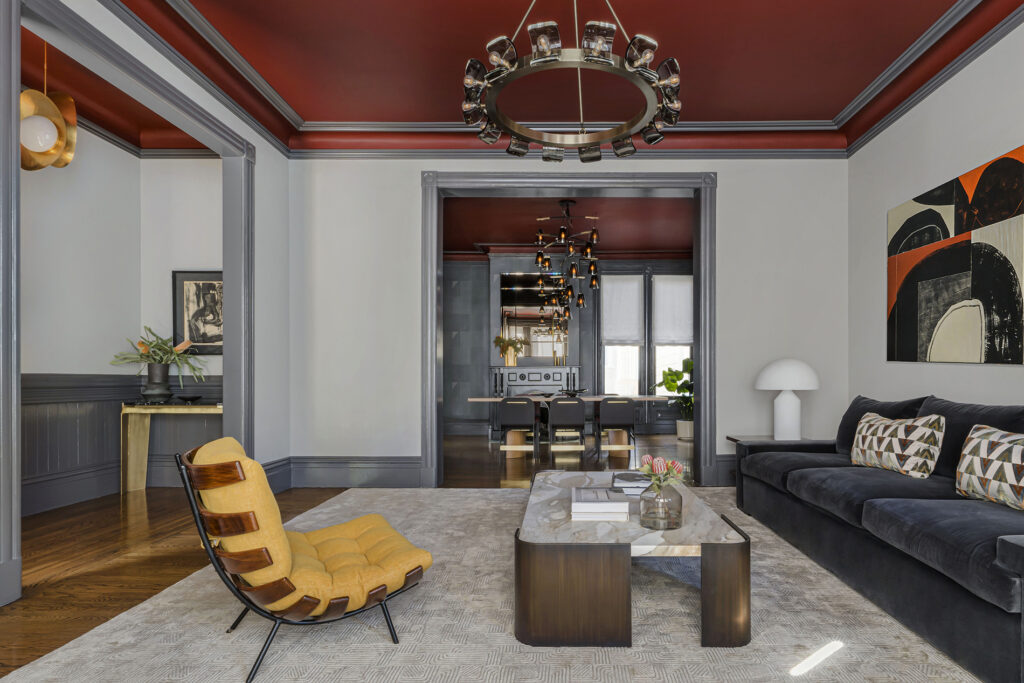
x: 1010, y: 553
x: 745, y: 448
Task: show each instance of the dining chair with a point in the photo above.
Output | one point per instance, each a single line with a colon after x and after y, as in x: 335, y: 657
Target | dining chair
x: 518, y: 414
x: 616, y: 413
x: 567, y: 413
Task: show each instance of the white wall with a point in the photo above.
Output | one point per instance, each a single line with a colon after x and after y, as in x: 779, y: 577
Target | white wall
x: 355, y: 293
x: 971, y: 119
x: 80, y: 261
x: 182, y: 220
x: 271, y: 236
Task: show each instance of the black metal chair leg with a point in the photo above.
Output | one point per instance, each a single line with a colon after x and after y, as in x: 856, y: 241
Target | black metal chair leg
x: 238, y: 620
x: 263, y: 652
x: 387, y: 618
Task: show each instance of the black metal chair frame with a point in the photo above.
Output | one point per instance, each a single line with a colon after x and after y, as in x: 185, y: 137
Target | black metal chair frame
x: 516, y: 425
x: 555, y: 422
x: 250, y: 605
x: 602, y: 422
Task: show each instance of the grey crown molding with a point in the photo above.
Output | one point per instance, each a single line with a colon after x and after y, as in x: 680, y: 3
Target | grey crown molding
x: 140, y: 152
x: 980, y: 47
x: 491, y: 153
x: 558, y: 127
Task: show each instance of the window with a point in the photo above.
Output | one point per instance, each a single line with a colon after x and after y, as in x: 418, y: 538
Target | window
x: 673, y: 323
x: 622, y: 332
x: 621, y: 369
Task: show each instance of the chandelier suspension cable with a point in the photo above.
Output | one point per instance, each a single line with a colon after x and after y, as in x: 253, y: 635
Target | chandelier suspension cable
x: 616, y: 17
x: 523, y: 20
x: 579, y: 72
x: 44, y: 68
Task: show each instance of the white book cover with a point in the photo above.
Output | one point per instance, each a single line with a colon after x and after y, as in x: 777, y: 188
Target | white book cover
x: 600, y: 516
x: 598, y: 499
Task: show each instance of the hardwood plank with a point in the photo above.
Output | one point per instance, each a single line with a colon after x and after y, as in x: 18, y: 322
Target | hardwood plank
x: 86, y: 563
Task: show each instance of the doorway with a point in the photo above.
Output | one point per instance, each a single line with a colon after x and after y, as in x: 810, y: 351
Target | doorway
x: 438, y: 186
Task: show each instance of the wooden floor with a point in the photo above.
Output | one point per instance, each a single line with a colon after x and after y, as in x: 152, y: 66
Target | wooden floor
x: 86, y: 563
x: 472, y: 462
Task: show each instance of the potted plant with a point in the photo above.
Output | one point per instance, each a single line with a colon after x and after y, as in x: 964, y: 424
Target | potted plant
x: 157, y: 353
x: 680, y: 382
x: 509, y: 348
x: 661, y: 506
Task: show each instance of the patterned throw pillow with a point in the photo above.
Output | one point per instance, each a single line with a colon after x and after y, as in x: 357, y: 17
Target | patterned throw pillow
x: 992, y: 466
x: 909, y: 446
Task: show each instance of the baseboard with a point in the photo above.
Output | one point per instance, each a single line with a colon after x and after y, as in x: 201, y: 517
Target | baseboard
x: 466, y: 428
x: 724, y: 473
x: 279, y: 474
x: 343, y: 471
x: 52, y: 491
x: 10, y: 581
x: 163, y: 473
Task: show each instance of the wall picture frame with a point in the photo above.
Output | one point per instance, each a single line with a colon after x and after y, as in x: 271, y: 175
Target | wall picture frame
x: 198, y: 304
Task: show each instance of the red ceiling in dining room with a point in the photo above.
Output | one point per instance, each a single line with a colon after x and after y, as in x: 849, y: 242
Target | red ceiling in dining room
x: 643, y: 227
x: 401, y: 61
x: 98, y: 101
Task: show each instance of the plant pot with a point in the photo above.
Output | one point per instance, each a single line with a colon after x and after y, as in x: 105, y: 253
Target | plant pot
x: 684, y: 430
x: 510, y: 358
x: 158, y: 388
x: 661, y: 508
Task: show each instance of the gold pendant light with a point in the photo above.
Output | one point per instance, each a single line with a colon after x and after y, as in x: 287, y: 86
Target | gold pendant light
x: 49, y: 126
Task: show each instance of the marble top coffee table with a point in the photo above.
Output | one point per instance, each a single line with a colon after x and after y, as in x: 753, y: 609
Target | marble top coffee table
x: 573, y: 578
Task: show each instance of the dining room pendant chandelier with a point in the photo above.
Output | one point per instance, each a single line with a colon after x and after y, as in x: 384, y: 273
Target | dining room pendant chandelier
x: 49, y: 126
x: 567, y: 258
x: 659, y: 87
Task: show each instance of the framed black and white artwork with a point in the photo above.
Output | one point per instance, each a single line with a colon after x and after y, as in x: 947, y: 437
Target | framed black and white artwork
x: 199, y: 309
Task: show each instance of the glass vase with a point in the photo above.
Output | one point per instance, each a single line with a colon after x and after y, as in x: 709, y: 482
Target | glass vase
x: 661, y: 508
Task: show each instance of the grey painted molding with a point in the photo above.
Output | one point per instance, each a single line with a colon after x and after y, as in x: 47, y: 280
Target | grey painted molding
x: 437, y: 185
x: 982, y: 45
x: 10, y: 370
x: 108, y: 137
x: 146, y: 153
x: 226, y: 50
x: 499, y: 153
x: 344, y: 471
x: 126, y: 16
x: 40, y: 388
x: 52, y: 491
x: 947, y: 21
x: 552, y: 126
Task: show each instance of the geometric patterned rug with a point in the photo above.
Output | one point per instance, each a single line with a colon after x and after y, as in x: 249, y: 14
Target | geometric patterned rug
x: 457, y: 624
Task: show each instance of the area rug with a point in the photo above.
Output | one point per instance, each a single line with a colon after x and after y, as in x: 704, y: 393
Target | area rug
x: 457, y: 625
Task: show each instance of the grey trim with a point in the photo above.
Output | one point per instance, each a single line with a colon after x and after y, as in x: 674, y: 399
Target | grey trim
x: 982, y: 45
x: 726, y: 467
x: 146, y: 153
x: 52, y: 491
x: 129, y: 18
x: 553, y: 127
x: 499, y: 153
x: 10, y: 360
x: 226, y: 50
x: 111, y: 138
x: 947, y: 21
x: 39, y: 388
x: 331, y: 471
x: 143, y: 153
x: 279, y: 474
x: 437, y: 185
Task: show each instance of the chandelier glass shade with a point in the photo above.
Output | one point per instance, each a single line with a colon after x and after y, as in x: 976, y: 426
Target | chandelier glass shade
x: 658, y: 86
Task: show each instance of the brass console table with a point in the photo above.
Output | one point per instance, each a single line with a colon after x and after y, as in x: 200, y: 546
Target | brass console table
x: 135, y: 420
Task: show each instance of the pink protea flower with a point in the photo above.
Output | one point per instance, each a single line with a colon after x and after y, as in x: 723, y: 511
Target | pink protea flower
x: 675, y: 465
x: 659, y: 466
x: 646, y: 460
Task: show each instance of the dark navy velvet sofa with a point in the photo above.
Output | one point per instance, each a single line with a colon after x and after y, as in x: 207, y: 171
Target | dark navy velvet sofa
x: 947, y: 567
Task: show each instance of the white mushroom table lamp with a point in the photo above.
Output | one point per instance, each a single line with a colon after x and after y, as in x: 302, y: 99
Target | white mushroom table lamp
x: 786, y: 376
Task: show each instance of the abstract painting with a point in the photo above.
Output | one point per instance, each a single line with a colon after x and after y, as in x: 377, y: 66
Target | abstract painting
x: 199, y: 310
x: 955, y: 267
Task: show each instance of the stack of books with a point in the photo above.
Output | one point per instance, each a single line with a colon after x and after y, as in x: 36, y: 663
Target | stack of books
x: 630, y: 483
x: 599, y: 504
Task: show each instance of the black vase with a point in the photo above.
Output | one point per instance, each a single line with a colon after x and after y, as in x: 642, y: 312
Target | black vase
x: 157, y: 389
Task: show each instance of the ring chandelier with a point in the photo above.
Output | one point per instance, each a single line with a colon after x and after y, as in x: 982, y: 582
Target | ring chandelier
x: 659, y: 87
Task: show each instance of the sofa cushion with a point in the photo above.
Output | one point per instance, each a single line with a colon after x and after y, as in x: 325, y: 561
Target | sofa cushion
x: 955, y: 537
x: 843, y: 491
x: 863, y: 405
x: 774, y: 468
x: 909, y: 446
x: 960, y: 419
x: 992, y: 467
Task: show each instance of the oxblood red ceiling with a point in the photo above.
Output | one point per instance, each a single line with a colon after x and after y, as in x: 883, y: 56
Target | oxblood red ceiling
x: 97, y: 100
x: 629, y: 228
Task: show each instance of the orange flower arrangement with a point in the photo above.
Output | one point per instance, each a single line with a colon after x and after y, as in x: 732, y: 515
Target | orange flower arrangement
x: 154, y: 349
x: 660, y: 471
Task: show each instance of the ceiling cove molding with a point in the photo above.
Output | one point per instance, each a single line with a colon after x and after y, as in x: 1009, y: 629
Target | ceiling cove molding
x: 226, y: 50
x: 111, y: 138
x: 130, y: 19
x: 651, y: 154
x: 146, y: 153
x: 555, y: 127
x: 1000, y: 31
x: 947, y: 21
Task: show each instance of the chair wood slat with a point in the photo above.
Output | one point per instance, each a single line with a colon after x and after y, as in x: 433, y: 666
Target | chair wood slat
x: 413, y: 576
x: 300, y: 610
x: 244, y: 561
x: 268, y: 593
x: 220, y: 524
x: 215, y: 475
x: 335, y: 608
x: 376, y: 596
